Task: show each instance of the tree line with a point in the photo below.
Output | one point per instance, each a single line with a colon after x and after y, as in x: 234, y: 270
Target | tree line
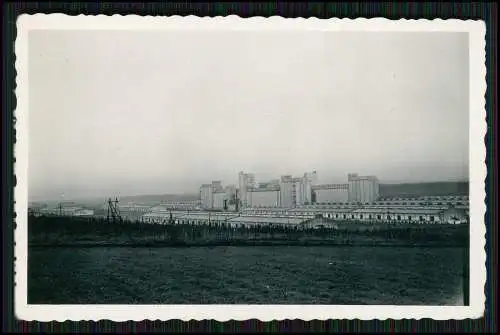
x: 46, y: 229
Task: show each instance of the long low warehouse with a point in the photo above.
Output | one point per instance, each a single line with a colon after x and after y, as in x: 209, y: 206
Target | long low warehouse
x: 391, y: 215
x: 250, y: 221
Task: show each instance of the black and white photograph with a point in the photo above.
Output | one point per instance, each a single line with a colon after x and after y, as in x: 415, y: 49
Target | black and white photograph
x: 295, y: 168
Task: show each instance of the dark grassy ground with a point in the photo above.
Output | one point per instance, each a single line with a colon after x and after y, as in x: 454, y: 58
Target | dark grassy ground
x: 356, y: 274
x: 72, y: 231
x: 239, y: 275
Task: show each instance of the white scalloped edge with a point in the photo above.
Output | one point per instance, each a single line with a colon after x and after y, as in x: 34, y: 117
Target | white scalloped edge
x: 477, y: 155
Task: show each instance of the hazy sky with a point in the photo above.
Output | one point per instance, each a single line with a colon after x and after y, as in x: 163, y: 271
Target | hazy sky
x: 124, y: 113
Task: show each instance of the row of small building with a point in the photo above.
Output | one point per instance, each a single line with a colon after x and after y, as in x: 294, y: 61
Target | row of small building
x: 62, y: 211
x: 295, y: 216
x: 430, y: 210
x: 455, y: 200
x: 194, y: 205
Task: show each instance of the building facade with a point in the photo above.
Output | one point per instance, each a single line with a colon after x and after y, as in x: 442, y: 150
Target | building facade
x: 181, y: 205
x: 225, y: 198
x: 363, y: 189
x: 297, y: 191
x: 287, y: 191
x: 230, y: 198
x: 136, y: 208
x: 263, y: 197
x: 245, y: 181
x: 331, y: 193
x: 216, y: 196
x: 206, y: 196
x: 219, y: 199
x: 309, y: 180
x: 84, y: 212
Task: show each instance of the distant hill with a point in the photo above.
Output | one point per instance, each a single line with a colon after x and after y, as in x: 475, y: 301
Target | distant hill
x: 157, y: 198
x: 148, y: 199
x: 420, y: 189
x: 386, y: 190
x: 413, y: 189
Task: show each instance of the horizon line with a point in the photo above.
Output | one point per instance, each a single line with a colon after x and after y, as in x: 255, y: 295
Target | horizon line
x: 196, y: 193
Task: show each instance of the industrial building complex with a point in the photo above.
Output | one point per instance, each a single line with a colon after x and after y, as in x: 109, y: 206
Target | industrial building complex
x: 288, y: 192
x: 289, y: 201
x: 417, y: 210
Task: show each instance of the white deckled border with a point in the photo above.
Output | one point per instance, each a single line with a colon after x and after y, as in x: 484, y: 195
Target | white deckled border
x: 477, y: 78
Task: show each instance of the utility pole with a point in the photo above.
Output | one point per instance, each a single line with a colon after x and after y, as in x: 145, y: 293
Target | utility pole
x: 236, y: 201
x: 114, y: 211
x: 108, y: 209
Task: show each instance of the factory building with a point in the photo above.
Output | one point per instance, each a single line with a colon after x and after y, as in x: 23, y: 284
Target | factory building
x: 215, y: 196
x: 217, y: 186
x: 206, y: 196
x: 285, y: 217
x: 224, y: 199
x: 272, y: 212
x: 455, y: 215
x: 161, y: 216
x: 303, y: 188
x: 331, y: 193
x: 417, y: 215
x: 263, y: 196
x: 297, y: 191
x: 84, y: 212
x: 135, y: 208
x: 203, y: 218
x: 341, y: 213
x: 182, y: 217
x: 245, y: 181
x: 287, y: 191
x: 219, y: 197
x: 458, y: 201
x: 66, y: 211
x: 208, y: 193
x: 252, y: 221
x: 363, y: 189
x: 231, y: 198
x: 309, y: 180
x: 181, y: 205
x: 319, y: 222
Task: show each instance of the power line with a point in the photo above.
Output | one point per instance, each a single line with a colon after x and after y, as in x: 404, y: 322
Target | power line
x: 114, y: 211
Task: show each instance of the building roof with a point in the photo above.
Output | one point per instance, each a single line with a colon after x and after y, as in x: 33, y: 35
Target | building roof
x: 194, y: 215
x: 271, y: 220
x: 269, y: 188
x: 270, y: 208
x: 274, y: 209
x: 322, y: 210
x: 164, y: 213
x: 424, y: 197
x: 404, y: 207
x: 334, y: 187
x: 329, y: 205
x: 206, y: 216
x: 412, y: 211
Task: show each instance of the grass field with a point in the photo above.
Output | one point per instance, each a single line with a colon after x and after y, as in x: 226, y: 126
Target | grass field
x: 72, y: 231
x: 253, y: 275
